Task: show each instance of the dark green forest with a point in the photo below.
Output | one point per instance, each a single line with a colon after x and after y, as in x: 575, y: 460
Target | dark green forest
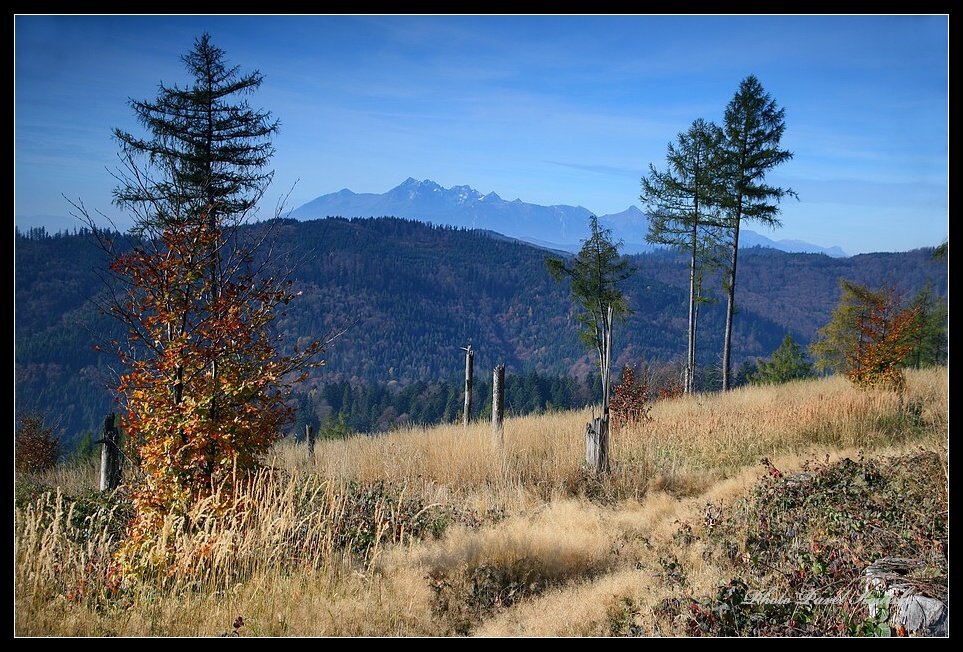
x: 407, y: 296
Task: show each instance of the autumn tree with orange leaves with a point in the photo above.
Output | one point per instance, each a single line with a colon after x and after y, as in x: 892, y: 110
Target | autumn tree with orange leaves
x: 868, y: 337
x: 205, y: 388
x: 193, y: 430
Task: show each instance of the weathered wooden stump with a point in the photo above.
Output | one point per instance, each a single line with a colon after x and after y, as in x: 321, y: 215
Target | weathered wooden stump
x: 597, y: 445
x: 309, y: 437
x: 110, y: 455
x: 498, y: 405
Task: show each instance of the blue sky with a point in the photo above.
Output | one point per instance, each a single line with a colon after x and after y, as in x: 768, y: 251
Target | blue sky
x: 551, y: 110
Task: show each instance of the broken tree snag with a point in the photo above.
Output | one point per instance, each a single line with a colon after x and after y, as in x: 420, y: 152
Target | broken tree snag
x: 498, y: 403
x: 110, y: 455
x: 597, y: 445
x: 309, y: 437
x: 469, y: 368
x: 603, y: 462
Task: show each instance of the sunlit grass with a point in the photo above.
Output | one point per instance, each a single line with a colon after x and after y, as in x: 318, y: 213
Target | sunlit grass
x: 527, y: 537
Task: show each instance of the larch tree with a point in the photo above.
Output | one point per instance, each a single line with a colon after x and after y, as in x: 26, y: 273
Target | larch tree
x: 682, y: 203
x: 596, y: 274
x: 837, y: 341
x: 754, y: 126
x: 206, y: 390
x: 869, y: 337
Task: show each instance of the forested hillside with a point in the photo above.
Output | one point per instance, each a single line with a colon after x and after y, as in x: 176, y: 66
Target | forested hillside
x: 409, y: 295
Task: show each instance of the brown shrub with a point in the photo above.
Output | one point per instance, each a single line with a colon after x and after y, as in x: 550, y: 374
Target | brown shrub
x: 37, y: 449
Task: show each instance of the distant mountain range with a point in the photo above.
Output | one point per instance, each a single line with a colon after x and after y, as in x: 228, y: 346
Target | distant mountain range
x: 554, y: 227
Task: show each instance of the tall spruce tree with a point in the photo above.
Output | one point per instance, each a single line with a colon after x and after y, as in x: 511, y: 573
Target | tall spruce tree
x: 682, y: 202
x: 754, y: 126
x: 211, y: 146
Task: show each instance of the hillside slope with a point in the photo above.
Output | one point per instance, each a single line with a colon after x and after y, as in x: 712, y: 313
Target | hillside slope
x: 410, y: 295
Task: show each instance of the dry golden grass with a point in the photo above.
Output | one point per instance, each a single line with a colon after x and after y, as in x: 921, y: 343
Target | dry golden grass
x: 689, y: 443
x: 565, y: 548
x: 72, y: 477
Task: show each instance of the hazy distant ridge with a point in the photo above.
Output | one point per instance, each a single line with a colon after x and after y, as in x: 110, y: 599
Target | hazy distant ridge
x: 556, y: 227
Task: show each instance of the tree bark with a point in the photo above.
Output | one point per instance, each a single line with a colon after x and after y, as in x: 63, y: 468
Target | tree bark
x: 607, y: 365
x: 695, y: 337
x: 597, y: 445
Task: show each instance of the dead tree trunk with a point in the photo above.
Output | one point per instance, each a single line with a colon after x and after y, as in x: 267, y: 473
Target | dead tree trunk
x: 469, y: 368
x: 110, y: 455
x: 597, y: 432
x: 498, y: 404
x: 597, y: 445
x: 309, y: 437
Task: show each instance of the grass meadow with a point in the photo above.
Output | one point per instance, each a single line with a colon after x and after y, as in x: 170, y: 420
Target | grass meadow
x: 436, y: 531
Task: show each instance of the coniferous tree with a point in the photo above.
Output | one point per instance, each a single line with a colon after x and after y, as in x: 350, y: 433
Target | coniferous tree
x: 754, y: 126
x: 596, y: 273
x: 869, y: 337
x: 211, y: 149
x: 941, y: 252
x: 683, y: 207
x: 788, y: 362
x: 929, y: 341
x: 211, y: 146
x: 205, y: 154
x: 837, y: 341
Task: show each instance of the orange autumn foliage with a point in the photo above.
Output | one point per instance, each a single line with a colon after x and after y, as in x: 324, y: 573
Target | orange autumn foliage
x: 205, y: 392
x: 885, y: 338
